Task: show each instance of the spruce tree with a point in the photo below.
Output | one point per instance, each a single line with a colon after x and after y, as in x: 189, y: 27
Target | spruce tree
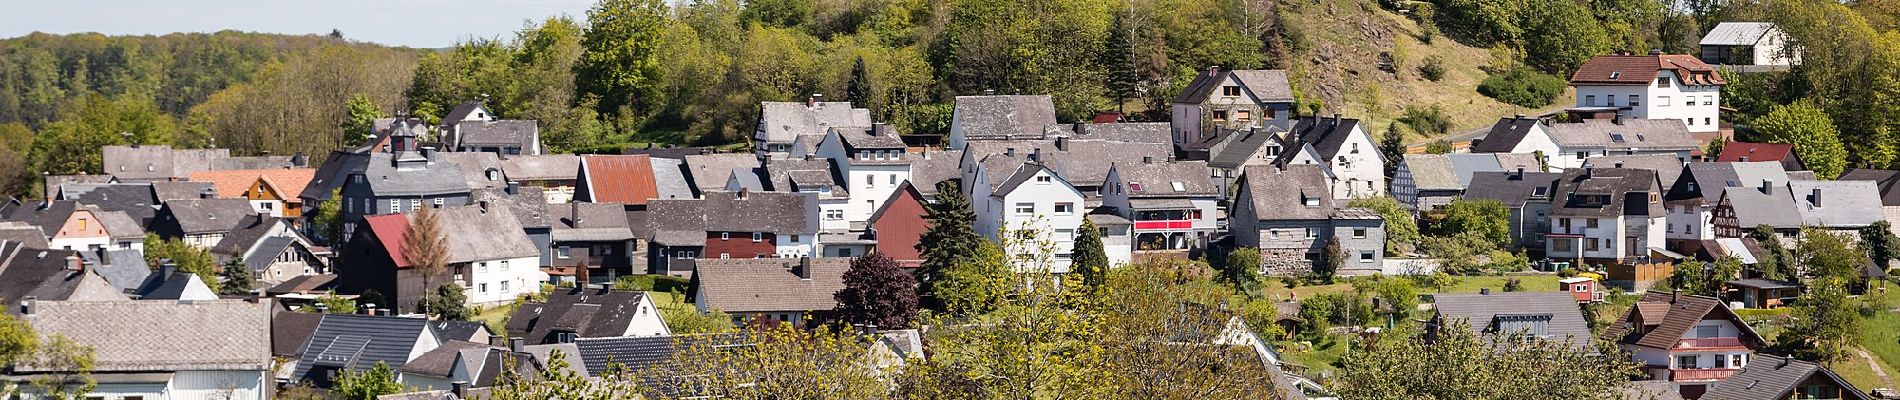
x: 1091, y: 260
x: 858, y: 91
x: 1392, y: 145
x: 1118, y: 60
x: 951, y: 240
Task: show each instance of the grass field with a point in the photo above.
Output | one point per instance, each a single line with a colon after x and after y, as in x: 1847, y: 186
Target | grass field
x: 1466, y: 284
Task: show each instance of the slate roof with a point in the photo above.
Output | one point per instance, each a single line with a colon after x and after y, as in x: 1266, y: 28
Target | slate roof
x: 357, y: 342
x: 1003, y: 117
x: 1326, y: 135
x: 1269, y: 85
x: 232, y: 184
x: 588, y: 312
x: 244, y: 235
x: 119, y: 225
x: 931, y: 167
x: 334, y: 171
x: 478, y: 169
x: 1770, y: 376
x: 462, y: 111
x: 267, y: 250
x: 784, y: 175
x: 1131, y: 132
x: 505, y: 132
x: 1637, y: 70
x: 783, y: 121
x: 440, y: 361
x: 549, y: 167
x: 710, y: 171
x: 528, y: 204
x: 1020, y: 175
x: 1242, y: 145
x: 619, y: 179
x: 1711, y: 179
x: 19, y: 232
x: 472, y: 234
x: 1841, y: 204
x: 1668, y: 168
x: 1505, y: 134
x: 1081, y: 162
x: 179, y: 285
x: 1629, y: 134
x: 1481, y: 311
x: 570, y: 353
x: 135, y: 200
x: 1512, y: 189
x: 289, y: 331
x: 1671, y: 319
x: 786, y: 213
x: 157, y: 336
x: 675, y: 223
x: 411, y: 178
x: 1737, y: 34
x: 590, y: 222
x: 1454, y: 171
x: 649, y: 353
x: 48, y: 275
x: 1278, y: 193
x: 1887, y: 180
x: 1628, y: 191
x: 123, y: 269
x: 769, y: 284
x: 198, y: 216
x: 160, y: 162
x: 48, y: 218
x: 1158, y: 179
x: 1753, y: 208
x: 669, y: 178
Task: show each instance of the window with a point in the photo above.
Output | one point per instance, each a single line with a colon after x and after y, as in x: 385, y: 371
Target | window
x: 415, y: 204
x: 1580, y: 288
x: 1662, y: 81
x: 1044, y: 179
x: 561, y: 252
x: 504, y: 286
x: 682, y: 254
x: 1312, y: 233
x: 844, y: 252
x: 1708, y: 100
x: 1179, y: 187
x: 1686, y: 362
x: 1691, y: 101
x: 349, y: 206
x: 1636, y: 101
x: 1721, y: 360
x: 1230, y: 91
x: 1242, y: 115
x: 1365, y: 256
x: 267, y: 206
x: 1065, y: 208
x: 1135, y: 186
x: 1560, y: 245
x: 725, y: 235
x: 1065, y: 235
x: 834, y: 215
x: 395, y: 206
x: 1590, y: 100
x: 797, y: 238
x: 82, y: 223
x: 481, y: 288
x: 1220, y: 115
x: 1707, y: 331
x: 1663, y: 101
x: 1590, y: 244
x: 1358, y: 233
x: 870, y: 182
x: 1611, y: 98
x: 723, y: 256
x: 893, y: 180
x: 504, y: 265
x: 1737, y: 360
x: 1705, y: 121
x: 1025, y: 208
x: 758, y: 236
x: 1312, y: 201
x: 1590, y: 223
x: 1689, y: 121
x: 1583, y: 154
x: 481, y: 267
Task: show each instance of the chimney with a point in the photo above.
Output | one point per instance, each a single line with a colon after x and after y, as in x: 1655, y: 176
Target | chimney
x: 1213, y: 69
x: 498, y: 340
x: 1335, y: 120
x: 804, y: 268
x: 1519, y: 116
x: 460, y: 388
x: 1675, y: 295
x: 46, y: 182
x: 1814, y: 197
x: 514, y: 187
x: 428, y: 153
x: 812, y: 101
x: 1484, y: 291
x: 1655, y: 52
x: 72, y: 261
x: 208, y: 193
x: 515, y: 344
x: 1767, y: 187
x: 1035, y: 155
x: 27, y: 305
x: 1062, y: 143
x: 166, y: 268
x: 743, y: 192
x: 1147, y: 159
x: 1520, y: 172
x: 1011, y: 152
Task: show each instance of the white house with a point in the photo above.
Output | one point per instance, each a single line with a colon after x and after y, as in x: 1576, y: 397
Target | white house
x: 1655, y: 86
x: 873, y: 162
x: 1171, y: 204
x: 162, y: 349
x: 1016, y: 192
x: 1349, y: 156
x: 1564, y: 146
x: 1606, y: 216
x: 1748, y: 43
x: 1692, y: 200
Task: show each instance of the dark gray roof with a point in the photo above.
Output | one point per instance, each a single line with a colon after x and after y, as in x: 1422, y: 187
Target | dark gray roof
x: 1668, y: 168
x: 134, y: 199
x: 1003, y: 117
x: 1628, y: 191
x: 290, y: 330
x: 590, y: 222
x: 1269, y: 85
x: 781, y: 173
x: 680, y: 222
x: 180, y: 285
x: 1504, y: 135
x: 931, y: 167
x: 49, y: 216
x: 479, y: 169
x: 1753, y: 208
x: 410, y: 178
x: 647, y: 353
x: 588, y: 312
x: 197, y: 216
x: 181, y: 190
x: 1279, y: 193
x: 1887, y: 180
x: 1326, y: 135
x: 267, y: 251
x: 357, y: 342
x: 1081, y: 162
x: 528, y: 204
x: 1711, y: 179
x: 1481, y: 312
x: 507, y: 132
x: 462, y: 111
x: 244, y: 235
x: 1240, y: 146
x: 123, y: 269
x: 1158, y: 179
x: 47, y: 275
x: 784, y: 121
x: 1770, y: 376
x: 335, y: 170
x: 20, y: 232
x: 1022, y: 174
x: 785, y: 213
x: 877, y: 136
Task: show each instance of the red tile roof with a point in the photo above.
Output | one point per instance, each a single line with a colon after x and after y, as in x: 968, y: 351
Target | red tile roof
x: 1737, y: 151
x: 619, y: 179
x: 1642, y: 70
x: 390, y: 229
x: 231, y: 184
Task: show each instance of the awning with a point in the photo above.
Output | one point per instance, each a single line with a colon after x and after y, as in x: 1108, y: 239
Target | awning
x: 1666, y: 253
x: 1762, y: 284
x: 1160, y: 204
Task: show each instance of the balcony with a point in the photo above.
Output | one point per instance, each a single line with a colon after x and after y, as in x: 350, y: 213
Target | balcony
x: 1710, y: 343
x: 1163, y: 225
x: 1701, y: 375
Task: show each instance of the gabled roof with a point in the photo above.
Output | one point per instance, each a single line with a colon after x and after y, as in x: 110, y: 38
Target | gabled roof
x: 473, y: 234
x: 198, y: 216
x: 1280, y: 193
x: 1672, y: 315
x: 289, y: 182
x: 290, y: 330
x: 587, y: 312
x: 184, y: 190
x: 1242, y: 145
x: 709, y: 172
x: 1326, y: 135
x: 1745, y: 151
x: 813, y: 172
x: 592, y: 222
x: 1770, y: 376
x: 1836, y: 204
x: 618, y: 179
x: 335, y: 170
x: 1505, y: 134
x: 462, y: 111
x: 161, y: 336
x: 303, y: 284
x: 1706, y: 181
x: 784, y: 213
x: 440, y: 361
x: 1668, y: 168
x: 905, y: 189
x: 1753, y: 208
x: 651, y: 353
x: 1637, y: 70
x: 783, y: 121
x: 1167, y: 179
x: 1887, y: 180
x: 734, y: 285
x: 1625, y: 134
x: 22, y: 233
x: 1737, y: 33
x: 123, y: 269
x: 508, y: 132
x: 528, y: 204
x: 48, y: 275
x: 1003, y: 117
x: 245, y: 234
x: 876, y: 136
x: 669, y: 178
x: 478, y: 169
x: 357, y: 342
x: 1455, y: 171
x: 1269, y: 85
x: 680, y: 222
x: 120, y: 225
x: 931, y: 167
x: 547, y: 167
x: 1482, y: 311
x: 1130, y: 132
x: 1628, y: 191
x: 415, y: 176
x: 136, y: 200
x: 179, y: 285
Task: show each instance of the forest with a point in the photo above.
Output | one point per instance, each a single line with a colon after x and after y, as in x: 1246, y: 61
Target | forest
x: 692, y: 73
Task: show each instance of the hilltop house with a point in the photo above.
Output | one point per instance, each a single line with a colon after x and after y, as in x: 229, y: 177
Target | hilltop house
x: 201, y: 223
x: 1654, y: 86
x: 1748, y: 43
x: 1239, y: 100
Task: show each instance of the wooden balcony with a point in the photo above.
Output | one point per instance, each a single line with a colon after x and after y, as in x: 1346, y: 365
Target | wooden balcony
x: 1714, y: 343
x: 1701, y: 375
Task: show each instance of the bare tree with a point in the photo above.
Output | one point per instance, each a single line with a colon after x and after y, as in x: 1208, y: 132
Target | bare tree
x: 425, y: 248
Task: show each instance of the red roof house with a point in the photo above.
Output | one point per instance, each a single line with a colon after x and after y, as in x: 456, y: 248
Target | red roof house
x: 1762, y: 152
x: 626, y: 179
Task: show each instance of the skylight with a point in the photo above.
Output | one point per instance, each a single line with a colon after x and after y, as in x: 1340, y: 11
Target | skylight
x: 1178, y: 187
x: 1616, y: 137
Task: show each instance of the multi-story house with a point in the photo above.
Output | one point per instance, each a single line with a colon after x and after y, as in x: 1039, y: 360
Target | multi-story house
x: 69, y: 225
x: 593, y: 236
x: 996, y: 117
x: 1022, y: 203
x: 1654, y: 86
x: 1234, y: 151
x: 271, y: 191
x: 1427, y: 181
x: 1842, y: 207
x: 1689, y: 341
x: 1290, y: 215
x: 818, y: 177
x: 1606, y: 216
x: 1171, y: 204
x: 802, y: 290
x: 1692, y: 200
x: 160, y: 349
x: 741, y: 224
x: 470, y: 127
x: 201, y: 223
x: 1351, y: 159
x: 488, y: 255
x: 1238, y: 100
x: 1748, y: 43
x: 782, y: 123
x: 403, y: 180
x: 1564, y: 146
x: 555, y: 174
x: 873, y: 163
x: 1753, y: 152
x: 1527, y: 194
x: 1888, y: 181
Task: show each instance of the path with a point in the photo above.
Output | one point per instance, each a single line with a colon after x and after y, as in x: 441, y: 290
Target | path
x: 1878, y: 371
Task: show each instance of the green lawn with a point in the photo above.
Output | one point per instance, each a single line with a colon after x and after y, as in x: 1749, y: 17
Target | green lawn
x: 1466, y: 284
x: 1321, y: 359
x: 495, y: 317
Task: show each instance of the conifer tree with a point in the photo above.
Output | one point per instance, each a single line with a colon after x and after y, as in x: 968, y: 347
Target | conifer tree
x: 1118, y: 59
x: 858, y: 91
x: 1090, y: 258
x: 950, y: 241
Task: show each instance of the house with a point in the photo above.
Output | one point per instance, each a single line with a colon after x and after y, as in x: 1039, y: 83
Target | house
x: 272, y: 250
x: 652, y: 354
x: 818, y: 177
x: 1655, y: 86
x: 1583, y: 288
x: 1023, y: 204
x: 1693, y: 341
x: 1762, y: 152
x: 1668, y: 167
x: 137, y: 200
x: 1606, y: 216
x: 467, y: 331
x: 289, y: 331
x: 898, y: 226
x: 1354, y: 166
x: 587, y: 312
x: 487, y: 256
x: 397, y: 182
x: 356, y: 342
x: 710, y: 172
x: 215, y: 349
x: 465, y: 367
x: 1565, y: 146
x: 168, y: 283
x: 1748, y: 43
x: 506, y: 137
x: 480, y: 170
x: 1290, y: 215
x: 1428, y: 181
x: 1888, y: 182
x: 201, y: 223
x: 526, y: 204
x: 1171, y: 205
x: 873, y: 163
x: 27, y: 272
x: 1842, y: 207
x: 140, y: 163
x: 555, y: 174
x: 741, y: 224
x: 1084, y: 163
x: 802, y: 288
x: 593, y: 236
x: 1783, y: 378
x: 1692, y: 200
x: 1233, y: 151
x: 781, y: 122
x: 271, y: 191
x: 69, y: 225
x: 1762, y: 293
x: 181, y: 190
x: 999, y: 117
x: 627, y: 180
x: 465, y: 112
x: 125, y: 270
x: 22, y: 233
x: 675, y: 231
x: 1552, y: 316
x: 1239, y: 100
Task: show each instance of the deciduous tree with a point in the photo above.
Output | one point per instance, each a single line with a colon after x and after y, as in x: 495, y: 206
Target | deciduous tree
x: 425, y: 247
x: 1456, y: 362
x: 1811, y: 132
x: 878, y: 292
x: 620, y: 61
x: 378, y: 380
x: 362, y: 116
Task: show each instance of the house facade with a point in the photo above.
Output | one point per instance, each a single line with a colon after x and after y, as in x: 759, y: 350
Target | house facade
x: 1353, y: 164
x: 1425, y: 182
x: 1690, y: 341
x: 403, y: 180
x: 1290, y: 215
x: 782, y: 123
x: 1606, y: 216
x: 1171, y: 205
x: 1238, y: 100
x: 1025, y: 205
x: 162, y: 349
x: 487, y: 255
x: 1748, y: 43
x: 1653, y: 86
x: 873, y: 163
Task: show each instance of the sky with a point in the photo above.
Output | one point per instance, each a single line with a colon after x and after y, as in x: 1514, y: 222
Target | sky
x: 413, y: 23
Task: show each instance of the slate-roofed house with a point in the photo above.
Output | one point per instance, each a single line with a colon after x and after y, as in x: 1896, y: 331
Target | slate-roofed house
x: 49, y: 275
x: 1129, y: 132
x: 803, y: 288
x: 157, y: 163
x: 1606, y: 215
x: 1354, y: 166
x: 1748, y: 43
x: 1888, y: 182
x: 1668, y: 168
x: 1690, y: 340
x: 1783, y: 378
x: 675, y: 231
x: 1172, y: 205
x: 1692, y: 200
x: 1841, y: 206
x: 468, y: 368
x: 555, y: 174
x: 400, y: 181
x: 1429, y: 181
x: 164, y: 349
x: 272, y: 249
x: 899, y: 226
x: 526, y: 204
x: 273, y: 191
x: 1220, y: 99
x: 136, y: 200
x: 931, y: 167
x: 649, y: 353
x: 67, y: 224
x: 487, y: 255
x: 709, y: 172
x: 587, y: 312
x: 289, y: 331
x: 200, y: 222
x: 467, y: 331
x: 480, y: 170
x: 22, y: 233
x: 819, y: 177
x: 592, y: 235
x: 355, y: 342
x: 1233, y: 151
x: 781, y: 122
x: 1762, y: 152
x: 1547, y: 315
x: 1655, y: 86
x: 999, y: 117
x: 1017, y: 194
x: 873, y: 162
x: 1290, y: 215
x: 508, y: 137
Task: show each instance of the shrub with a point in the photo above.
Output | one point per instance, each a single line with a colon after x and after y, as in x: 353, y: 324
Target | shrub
x: 1427, y: 121
x: 1523, y: 87
x: 1433, y: 69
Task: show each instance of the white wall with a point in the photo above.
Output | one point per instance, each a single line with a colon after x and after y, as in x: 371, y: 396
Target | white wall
x: 1056, y: 228
x: 1660, y: 102
x: 870, y: 185
x: 218, y: 385
x: 521, y: 275
x: 646, y: 320
x: 794, y: 245
x: 1690, y: 222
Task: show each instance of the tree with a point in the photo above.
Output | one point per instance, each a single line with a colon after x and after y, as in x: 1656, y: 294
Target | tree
x: 366, y: 385
x: 424, y: 246
x: 1331, y: 259
x: 1118, y: 61
x: 1826, y: 323
x: 71, y: 145
x: 1778, y: 263
x: 329, y: 218
x: 17, y: 340
x: 1392, y: 146
x: 1811, y: 132
x: 1714, y: 152
x: 362, y: 116
x: 68, y: 365
x: 561, y: 381
x: 1513, y: 285
x: 1488, y: 219
x: 238, y: 280
x: 447, y: 301
x: 684, y: 320
x: 1440, y: 146
x: 1560, y: 35
x: 334, y: 304
x: 185, y: 257
x: 1455, y: 362
x: 978, y: 285
x: 1242, y: 267
x: 1827, y: 255
x: 1091, y: 259
x: 1700, y: 278
x: 1401, y: 230
x: 1881, y: 244
x: 777, y: 362
x: 619, y: 61
x: 877, y: 292
x: 1400, y: 295
x: 859, y: 90
x: 950, y: 241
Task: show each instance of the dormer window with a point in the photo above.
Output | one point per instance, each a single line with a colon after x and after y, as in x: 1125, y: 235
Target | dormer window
x: 1310, y: 201
x: 1230, y: 91
x: 1134, y: 186
x: 1662, y: 81
x: 1179, y: 187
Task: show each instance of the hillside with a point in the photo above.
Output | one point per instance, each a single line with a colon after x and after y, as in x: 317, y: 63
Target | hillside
x: 1339, y: 63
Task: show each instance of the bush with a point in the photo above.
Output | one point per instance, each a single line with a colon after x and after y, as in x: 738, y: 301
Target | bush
x: 1440, y: 146
x: 1427, y: 121
x: 1433, y: 69
x: 1523, y: 87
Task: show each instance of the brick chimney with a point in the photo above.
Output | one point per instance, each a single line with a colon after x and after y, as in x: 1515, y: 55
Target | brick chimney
x: 804, y: 268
